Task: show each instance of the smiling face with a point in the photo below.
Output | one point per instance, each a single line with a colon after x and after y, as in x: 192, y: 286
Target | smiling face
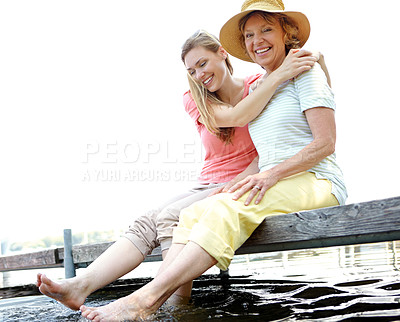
x: 264, y: 42
x: 207, y: 67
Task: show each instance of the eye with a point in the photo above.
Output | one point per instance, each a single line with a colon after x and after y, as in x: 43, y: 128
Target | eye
x: 248, y: 35
x: 266, y: 29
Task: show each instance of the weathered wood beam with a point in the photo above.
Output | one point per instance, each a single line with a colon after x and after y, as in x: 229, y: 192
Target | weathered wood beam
x: 366, y: 222
x: 84, y: 254
x: 44, y: 258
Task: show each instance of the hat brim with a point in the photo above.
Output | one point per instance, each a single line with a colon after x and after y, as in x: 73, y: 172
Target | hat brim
x: 230, y: 34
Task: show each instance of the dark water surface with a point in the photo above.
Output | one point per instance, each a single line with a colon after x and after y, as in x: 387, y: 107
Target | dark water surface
x: 349, y: 283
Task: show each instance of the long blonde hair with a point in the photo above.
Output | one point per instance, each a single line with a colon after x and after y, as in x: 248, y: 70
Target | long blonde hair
x: 203, y: 98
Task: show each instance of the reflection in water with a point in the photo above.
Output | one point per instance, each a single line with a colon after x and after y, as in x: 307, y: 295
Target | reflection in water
x: 345, y: 283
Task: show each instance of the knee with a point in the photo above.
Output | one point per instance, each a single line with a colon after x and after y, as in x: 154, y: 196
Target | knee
x: 169, y: 216
x: 145, y: 222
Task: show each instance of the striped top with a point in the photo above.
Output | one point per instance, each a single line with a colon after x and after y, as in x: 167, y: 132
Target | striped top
x: 282, y: 130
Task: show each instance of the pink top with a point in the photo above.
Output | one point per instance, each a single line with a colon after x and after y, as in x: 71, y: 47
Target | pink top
x: 222, y: 161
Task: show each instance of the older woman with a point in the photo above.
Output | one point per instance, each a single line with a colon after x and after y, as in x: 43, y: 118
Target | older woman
x: 295, y: 138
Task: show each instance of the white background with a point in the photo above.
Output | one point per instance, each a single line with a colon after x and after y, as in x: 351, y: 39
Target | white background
x: 91, y: 105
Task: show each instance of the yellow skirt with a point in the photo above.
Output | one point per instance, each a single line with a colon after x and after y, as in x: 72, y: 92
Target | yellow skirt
x: 221, y: 225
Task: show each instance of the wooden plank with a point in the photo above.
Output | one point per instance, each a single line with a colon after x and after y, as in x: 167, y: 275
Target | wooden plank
x: 367, y: 222
x: 155, y: 256
x: 85, y: 254
x: 45, y: 258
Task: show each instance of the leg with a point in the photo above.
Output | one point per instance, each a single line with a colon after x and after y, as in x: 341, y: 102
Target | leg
x: 183, y: 293
x: 168, y: 219
x: 73, y: 292
x: 128, y: 252
x: 185, y: 263
x: 213, y: 229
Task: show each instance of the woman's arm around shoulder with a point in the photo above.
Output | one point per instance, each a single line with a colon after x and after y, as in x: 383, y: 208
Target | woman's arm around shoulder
x: 296, y: 62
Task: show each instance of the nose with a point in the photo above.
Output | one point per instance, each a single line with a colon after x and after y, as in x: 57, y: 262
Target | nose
x: 257, y: 38
x: 199, y: 74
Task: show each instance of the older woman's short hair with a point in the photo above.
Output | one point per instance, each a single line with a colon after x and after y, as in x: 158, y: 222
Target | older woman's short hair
x: 287, y: 24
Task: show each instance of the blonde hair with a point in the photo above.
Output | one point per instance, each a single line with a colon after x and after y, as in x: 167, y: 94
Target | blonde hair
x: 203, y: 98
x: 287, y: 24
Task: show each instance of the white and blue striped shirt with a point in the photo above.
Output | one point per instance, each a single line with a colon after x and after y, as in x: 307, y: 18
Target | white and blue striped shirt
x: 282, y: 130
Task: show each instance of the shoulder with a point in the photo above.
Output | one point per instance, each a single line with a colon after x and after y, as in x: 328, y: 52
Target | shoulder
x: 249, y: 80
x: 187, y: 98
x: 313, y: 90
x: 190, y: 105
x: 188, y: 101
x: 315, y: 74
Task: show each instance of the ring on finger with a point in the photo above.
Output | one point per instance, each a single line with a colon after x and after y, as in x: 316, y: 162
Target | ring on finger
x: 257, y: 187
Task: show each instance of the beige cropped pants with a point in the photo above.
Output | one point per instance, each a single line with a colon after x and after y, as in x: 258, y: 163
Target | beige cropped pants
x: 155, y: 227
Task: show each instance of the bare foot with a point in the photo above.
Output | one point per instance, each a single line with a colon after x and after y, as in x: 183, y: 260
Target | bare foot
x: 136, y: 306
x: 66, y: 292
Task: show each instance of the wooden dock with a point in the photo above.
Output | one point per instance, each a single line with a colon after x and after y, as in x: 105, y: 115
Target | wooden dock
x: 358, y: 223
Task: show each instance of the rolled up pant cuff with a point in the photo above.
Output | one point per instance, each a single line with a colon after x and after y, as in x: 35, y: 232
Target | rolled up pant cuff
x: 181, y: 235
x: 213, y: 244
x: 139, y: 244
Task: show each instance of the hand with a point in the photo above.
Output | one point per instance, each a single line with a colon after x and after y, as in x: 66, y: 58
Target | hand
x: 216, y: 191
x: 257, y: 184
x: 318, y: 55
x: 224, y: 188
x: 296, y: 62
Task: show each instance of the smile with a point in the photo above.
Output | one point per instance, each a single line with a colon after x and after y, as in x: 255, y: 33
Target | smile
x: 262, y: 51
x: 208, y: 80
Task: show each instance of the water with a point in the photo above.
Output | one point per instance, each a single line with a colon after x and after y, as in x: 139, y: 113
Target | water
x: 349, y: 283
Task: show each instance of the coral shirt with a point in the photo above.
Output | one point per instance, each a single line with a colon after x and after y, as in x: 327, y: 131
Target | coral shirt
x: 223, y: 162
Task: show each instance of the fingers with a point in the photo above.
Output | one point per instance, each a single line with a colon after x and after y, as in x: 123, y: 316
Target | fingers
x: 257, y: 186
x: 301, y: 52
x: 305, y: 63
x: 228, y: 186
x: 253, y: 192
x: 304, y: 56
x: 241, y: 191
x: 215, y: 191
x: 237, y: 186
x: 260, y: 195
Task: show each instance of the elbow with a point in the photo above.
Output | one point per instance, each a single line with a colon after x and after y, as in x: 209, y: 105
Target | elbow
x: 325, y: 147
x: 330, y: 146
x: 233, y: 119
x: 234, y: 122
x: 241, y: 123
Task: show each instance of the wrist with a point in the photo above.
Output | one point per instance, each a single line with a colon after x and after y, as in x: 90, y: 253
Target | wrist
x: 275, y: 79
x: 275, y: 173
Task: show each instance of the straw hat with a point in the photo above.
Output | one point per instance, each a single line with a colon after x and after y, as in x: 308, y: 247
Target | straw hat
x: 230, y: 34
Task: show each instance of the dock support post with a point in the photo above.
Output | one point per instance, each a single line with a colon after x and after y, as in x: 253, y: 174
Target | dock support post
x: 69, y: 266
x: 223, y: 274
